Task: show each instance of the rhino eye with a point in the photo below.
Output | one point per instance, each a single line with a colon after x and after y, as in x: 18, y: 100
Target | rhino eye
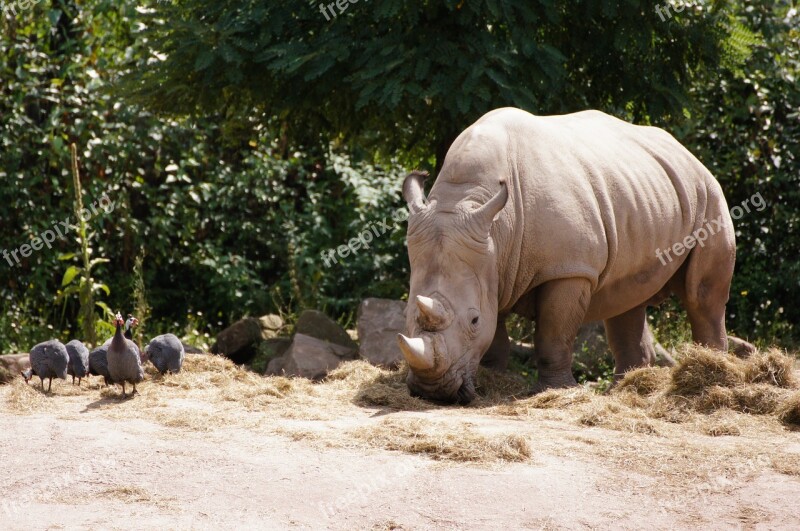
x: 474, y: 321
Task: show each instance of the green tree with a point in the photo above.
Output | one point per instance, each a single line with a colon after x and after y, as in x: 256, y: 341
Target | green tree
x: 408, y: 76
x: 746, y: 129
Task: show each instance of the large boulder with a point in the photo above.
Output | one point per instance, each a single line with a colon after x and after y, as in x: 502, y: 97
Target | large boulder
x: 271, y: 350
x: 310, y: 357
x: 239, y: 341
x: 379, y: 322
x: 11, y: 365
x: 316, y: 324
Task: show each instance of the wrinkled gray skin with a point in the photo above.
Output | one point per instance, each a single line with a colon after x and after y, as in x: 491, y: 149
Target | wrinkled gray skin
x: 78, y: 365
x: 558, y: 219
x: 48, y: 360
x: 124, y: 362
x: 98, y: 363
x: 166, y: 353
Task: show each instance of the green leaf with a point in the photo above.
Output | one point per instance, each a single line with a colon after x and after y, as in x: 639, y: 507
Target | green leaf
x: 66, y: 256
x: 97, y: 261
x: 103, y: 306
x: 69, y: 275
x: 104, y: 287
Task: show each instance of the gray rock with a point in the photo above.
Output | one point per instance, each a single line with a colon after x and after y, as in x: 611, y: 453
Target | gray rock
x: 270, y: 325
x: 13, y: 364
x: 239, y: 341
x: 191, y: 349
x: 273, y: 349
x: 316, y: 324
x: 379, y: 322
x: 313, y: 358
x: 275, y: 366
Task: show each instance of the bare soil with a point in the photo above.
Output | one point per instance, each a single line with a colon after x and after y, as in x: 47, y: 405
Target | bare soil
x: 217, y: 447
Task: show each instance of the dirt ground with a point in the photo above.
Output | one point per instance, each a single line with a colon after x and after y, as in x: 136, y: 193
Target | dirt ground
x: 200, y: 451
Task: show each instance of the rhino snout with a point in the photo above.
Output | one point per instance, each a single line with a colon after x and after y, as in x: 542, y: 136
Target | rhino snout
x: 458, y: 389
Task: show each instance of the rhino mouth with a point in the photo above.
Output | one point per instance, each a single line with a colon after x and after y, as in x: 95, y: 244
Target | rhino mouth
x: 460, y: 389
x: 466, y: 392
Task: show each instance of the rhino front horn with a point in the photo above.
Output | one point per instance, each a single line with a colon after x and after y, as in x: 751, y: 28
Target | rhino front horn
x: 417, y: 351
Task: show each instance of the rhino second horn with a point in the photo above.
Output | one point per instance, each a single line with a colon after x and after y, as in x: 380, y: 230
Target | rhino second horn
x: 433, y: 314
x: 417, y: 352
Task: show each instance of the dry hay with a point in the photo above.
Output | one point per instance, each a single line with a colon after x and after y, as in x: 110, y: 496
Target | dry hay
x: 709, y: 392
x: 374, y: 387
x: 126, y: 493
x: 789, y: 410
x: 707, y: 382
x: 446, y: 441
x: 136, y: 494
x: 771, y: 367
x: 700, y: 368
x: 645, y: 381
x: 550, y: 399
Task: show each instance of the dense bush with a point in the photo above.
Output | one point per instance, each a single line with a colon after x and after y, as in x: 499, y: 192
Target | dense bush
x: 230, y: 223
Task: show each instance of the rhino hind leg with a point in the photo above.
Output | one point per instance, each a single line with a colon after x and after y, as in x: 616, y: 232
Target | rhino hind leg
x: 630, y: 340
x: 500, y: 350
x: 704, y: 290
x: 560, y: 310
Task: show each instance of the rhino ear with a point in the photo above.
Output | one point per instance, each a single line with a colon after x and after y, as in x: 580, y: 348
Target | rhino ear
x: 484, y: 215
x: 413, y: 191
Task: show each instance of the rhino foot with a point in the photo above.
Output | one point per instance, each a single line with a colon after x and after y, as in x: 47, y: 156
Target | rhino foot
x: 557, y: 381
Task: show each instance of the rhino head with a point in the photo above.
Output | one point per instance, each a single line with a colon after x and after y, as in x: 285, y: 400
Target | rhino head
x: 451, y: 315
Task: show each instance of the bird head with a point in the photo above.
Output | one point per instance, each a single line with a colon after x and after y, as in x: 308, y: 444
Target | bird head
x: 118, y: 320
x: 131, y: 323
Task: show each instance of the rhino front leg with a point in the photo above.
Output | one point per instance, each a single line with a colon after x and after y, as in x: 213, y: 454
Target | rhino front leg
x: 630, y: 340
x: 560, y: 309
x: 500, y: 350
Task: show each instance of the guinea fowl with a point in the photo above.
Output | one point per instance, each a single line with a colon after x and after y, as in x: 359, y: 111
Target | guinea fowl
x: 98, y: 358
x: 98, y: 363
x: 124, y: 363
x: 48, y: 360
x: 166, y: 353
x: 130, y: 324
x: 78, y: 365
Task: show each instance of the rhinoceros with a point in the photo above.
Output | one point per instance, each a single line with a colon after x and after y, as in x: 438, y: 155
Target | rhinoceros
x: 563, y: 220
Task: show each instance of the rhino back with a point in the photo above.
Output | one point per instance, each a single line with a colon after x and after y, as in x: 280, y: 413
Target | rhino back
x: 590, y: 196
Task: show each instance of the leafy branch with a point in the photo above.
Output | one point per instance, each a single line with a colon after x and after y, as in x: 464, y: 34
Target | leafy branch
x: 85, y: 286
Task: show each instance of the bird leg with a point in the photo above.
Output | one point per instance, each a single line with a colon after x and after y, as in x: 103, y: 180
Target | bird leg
x: 49, y: 385
x: 123, y: 389
x: 134, y: 389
